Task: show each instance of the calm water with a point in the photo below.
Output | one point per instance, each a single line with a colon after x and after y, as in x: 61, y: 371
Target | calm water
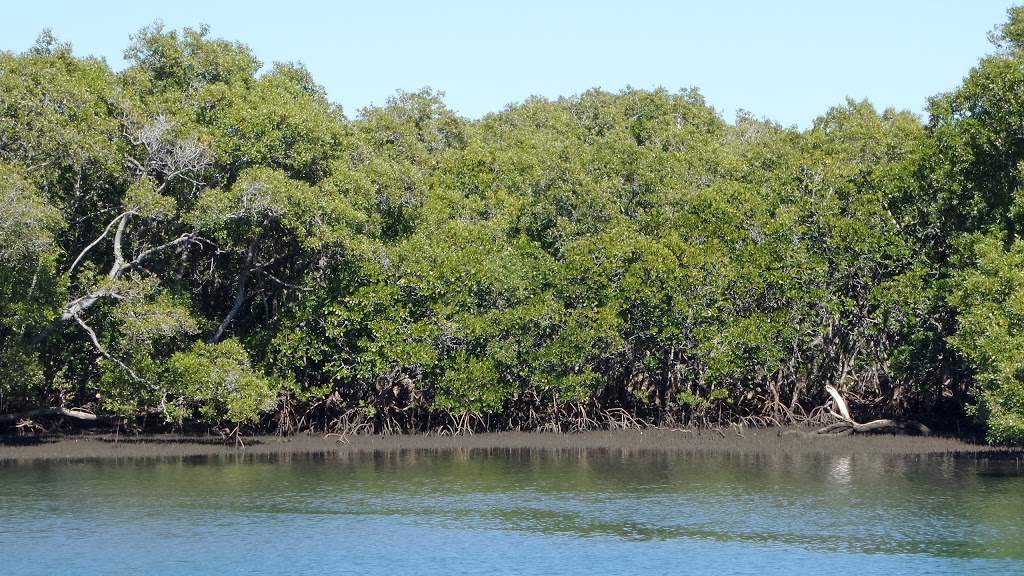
x: 514, y: 512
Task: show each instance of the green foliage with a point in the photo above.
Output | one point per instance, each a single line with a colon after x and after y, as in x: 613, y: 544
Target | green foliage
x: 978, y: 151
x: 218, y: 382
x: 282, y: 120
x: 56, y: 117
x: 989, y: 292
x: 1009, y: 36
x: 175, y: 68
x: 28, y: 281
x: 28, y: 229
x: 196, y: 237
x: 412, y: 126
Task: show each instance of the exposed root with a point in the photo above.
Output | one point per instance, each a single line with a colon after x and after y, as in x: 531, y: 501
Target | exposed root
x: 754, y: 421
x: 461, y: 424
x: 577, y: 419
x: 28, y: 426
x: 342, y: 437
x: 233, y: 434
x: 351, y: 422
x: 820, y: 416
x: 549, y: 427
x: 620, y: 419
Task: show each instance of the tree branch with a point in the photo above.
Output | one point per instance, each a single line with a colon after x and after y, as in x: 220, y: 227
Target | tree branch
x: 189, y: 237
x: 79, y: 305
x: 115, y: 269
x: 840, y: 402
x: 119, y: 217
x: 74, y: 308
x: 240, y: 294
x: 99, y: 347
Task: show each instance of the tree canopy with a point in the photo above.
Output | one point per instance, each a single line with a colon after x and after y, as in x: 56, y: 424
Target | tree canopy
x: 200, y: 240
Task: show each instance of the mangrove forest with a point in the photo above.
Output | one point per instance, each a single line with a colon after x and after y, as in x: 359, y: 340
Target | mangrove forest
x: 199, y: 240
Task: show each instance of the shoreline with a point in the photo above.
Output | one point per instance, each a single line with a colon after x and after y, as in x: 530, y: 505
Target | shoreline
x: 763, y: 441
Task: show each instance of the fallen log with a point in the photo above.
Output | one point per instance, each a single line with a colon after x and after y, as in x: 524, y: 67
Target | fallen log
x: 73, y: 413
x: 847, y: 425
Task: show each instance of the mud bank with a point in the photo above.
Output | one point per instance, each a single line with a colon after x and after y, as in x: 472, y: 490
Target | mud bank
x: 735, y: 441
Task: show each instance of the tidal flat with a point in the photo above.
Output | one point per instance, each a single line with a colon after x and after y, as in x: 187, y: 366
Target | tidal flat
x: 739, y: 441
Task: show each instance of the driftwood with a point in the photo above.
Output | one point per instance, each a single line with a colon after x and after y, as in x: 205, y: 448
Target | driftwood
x: 72, y: 413
x: 847, y: 425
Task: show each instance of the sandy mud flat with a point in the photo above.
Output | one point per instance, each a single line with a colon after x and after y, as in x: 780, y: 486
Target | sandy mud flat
x: 733, y: 441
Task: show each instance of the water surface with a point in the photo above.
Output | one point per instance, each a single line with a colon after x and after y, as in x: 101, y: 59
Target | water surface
x: 515, y: 511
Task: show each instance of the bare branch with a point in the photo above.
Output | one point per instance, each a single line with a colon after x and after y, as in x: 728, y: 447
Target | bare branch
x: 99, y: 347
x: 243, y: 279
x: 167, y: 155
x: 139, y: 168
x: 189, y: 237
x: 840, y: 402
x: 282, y: 282
x: 115, y: 269
x: 98, y: 240
x: 79, y: 305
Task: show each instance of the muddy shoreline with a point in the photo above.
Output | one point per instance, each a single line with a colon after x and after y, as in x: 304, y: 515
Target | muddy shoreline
x: 727, y: 441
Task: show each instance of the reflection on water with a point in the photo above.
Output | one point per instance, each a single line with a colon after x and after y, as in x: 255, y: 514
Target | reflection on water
x: 516, y: 511
x: 839, y: 470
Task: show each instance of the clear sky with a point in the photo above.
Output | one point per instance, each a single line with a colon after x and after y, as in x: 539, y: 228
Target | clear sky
x: 787, y: 60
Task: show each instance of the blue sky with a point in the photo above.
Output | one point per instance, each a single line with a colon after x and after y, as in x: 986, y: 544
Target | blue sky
x: 785, y: 60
